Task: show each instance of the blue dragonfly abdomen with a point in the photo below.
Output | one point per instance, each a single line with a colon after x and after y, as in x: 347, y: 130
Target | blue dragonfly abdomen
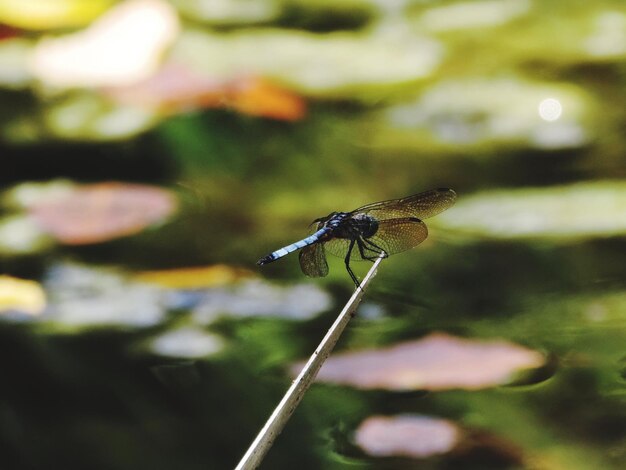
x: 284, y: 251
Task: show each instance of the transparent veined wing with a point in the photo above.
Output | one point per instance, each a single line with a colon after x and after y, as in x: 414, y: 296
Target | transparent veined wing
x: 397, y: 235
x: 313, y: 260
x: 340, y: 246
x: 421, y: 206
x: 393, y: 236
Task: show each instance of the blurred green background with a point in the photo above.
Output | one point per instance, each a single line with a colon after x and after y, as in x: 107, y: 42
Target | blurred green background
x: 153, y: 150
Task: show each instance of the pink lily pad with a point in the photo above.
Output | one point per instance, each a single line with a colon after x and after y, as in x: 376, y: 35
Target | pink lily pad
x: 101, y: 212
x: 410, y: 436
x: 436, y: 362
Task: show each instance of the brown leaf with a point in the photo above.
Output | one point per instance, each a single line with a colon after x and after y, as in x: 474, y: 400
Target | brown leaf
x: 101, y: 212
x: 258, y: 97
x: 7, y: 32
x: 192, y: 278
x: 176, y: 88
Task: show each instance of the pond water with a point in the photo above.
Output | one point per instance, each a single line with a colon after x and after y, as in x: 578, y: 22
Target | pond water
x: 139, y: 190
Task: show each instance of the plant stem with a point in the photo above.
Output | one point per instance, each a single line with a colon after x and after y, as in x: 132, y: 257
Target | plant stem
x: 276, y: 422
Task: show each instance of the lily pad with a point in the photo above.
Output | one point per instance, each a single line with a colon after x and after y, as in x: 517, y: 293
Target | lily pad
x: 436, y: 362
x: 21, y: 295
x: 51, y: 14
x: 223, y: 12
x: 470, y: 15
x: 410, y: 436
x: 312, y: 63
x: 418, y: 437
x: 21, y: 235
x: 188, y: 343
x: 259, y: 298
x: 14, y: 71
x: 86, y: 116
x: 493, y: 111
x: 176, y: 88
x: 82, y: 297
x: 515, y: 32
x: 608, y: 39
x: 122, y: 46
x: 569, y: 212
x: 100, y: 212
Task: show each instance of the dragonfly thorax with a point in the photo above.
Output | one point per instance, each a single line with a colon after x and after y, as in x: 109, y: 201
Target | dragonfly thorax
x: 365, y: 224
x: 335, y: 219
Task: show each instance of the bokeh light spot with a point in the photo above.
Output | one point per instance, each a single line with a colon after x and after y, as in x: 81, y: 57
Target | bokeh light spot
x: 550, y: 109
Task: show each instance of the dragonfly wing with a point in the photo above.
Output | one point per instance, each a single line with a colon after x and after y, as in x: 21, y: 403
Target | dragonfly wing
x: 393, y: 236
x: 396, y: 235
x: 422, y: 205
x: 339, y: 247
x: 313, y: 260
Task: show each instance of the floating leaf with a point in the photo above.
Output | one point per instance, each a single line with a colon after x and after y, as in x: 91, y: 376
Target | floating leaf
x: 583, y: 210
x: 86, y: 297
x: 123, y: 46
x: 193, y: 278
x: 21, y: 295
x: 259, y: 298
x: 87, y: 116
x: 51, y: 14
x: 407, y: 436
x: 177, y: 88
x: 101, y: 212
x: 503, y: 110
x: 258, y: 97
x: 14, y: 71
x: 421, y: 437
x: 20, y: 235
x: 223, y: 12
x: 608, y: 40
x: 189, y: 343
x: 436, y: 362
x: 173, y: 88
x: 314, y: 63
x: 471, y: 15
x: 24, y: 195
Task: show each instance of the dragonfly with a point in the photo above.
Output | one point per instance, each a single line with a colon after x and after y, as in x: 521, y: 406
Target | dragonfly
x: 371, y: 231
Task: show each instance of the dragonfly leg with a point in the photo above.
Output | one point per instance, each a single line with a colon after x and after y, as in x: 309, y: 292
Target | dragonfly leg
x: 362, y: 247
x: 364, y: 244
x: 347, y: 261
